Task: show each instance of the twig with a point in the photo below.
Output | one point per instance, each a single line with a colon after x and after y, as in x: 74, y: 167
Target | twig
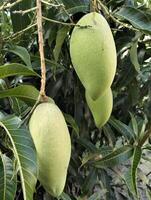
x: 41, y: 51
x: 9, y: 5
x: 64, y: 9
x: 23, y: 12
x: 20, y: 32
x: 64, y: 23
x: 114, y: 19
x: 51, y: 4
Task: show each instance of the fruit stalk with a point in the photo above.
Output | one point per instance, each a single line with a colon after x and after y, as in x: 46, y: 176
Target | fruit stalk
x: 41, y: 50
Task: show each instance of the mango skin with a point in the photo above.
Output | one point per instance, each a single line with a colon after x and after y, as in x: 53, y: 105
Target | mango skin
x: 93, y: 54
x: 101, y: 108
x: 52, y: 141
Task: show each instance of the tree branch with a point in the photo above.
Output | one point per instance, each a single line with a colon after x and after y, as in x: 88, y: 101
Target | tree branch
x: 9, y: 5
x: 64, y: 23
x: 104, y: 8
x: 41, y: 51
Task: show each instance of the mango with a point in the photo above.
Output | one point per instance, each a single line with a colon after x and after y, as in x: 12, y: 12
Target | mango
x: 52, y: 141
x: 93, y: 53
x: 101, y: 108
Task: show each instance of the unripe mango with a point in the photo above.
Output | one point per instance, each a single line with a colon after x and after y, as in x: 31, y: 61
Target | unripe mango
x: 52, y: 141
x: 101, y: 108
x: 93, y: 53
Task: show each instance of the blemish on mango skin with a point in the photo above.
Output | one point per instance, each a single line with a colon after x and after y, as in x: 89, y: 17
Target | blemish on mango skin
x: 93, y: 54
x: 53, y: 145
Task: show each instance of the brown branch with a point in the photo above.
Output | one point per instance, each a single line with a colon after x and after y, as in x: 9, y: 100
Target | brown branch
x: 41, y: 51
x: 64, y: 23
x: 12, y: 37
x: 9, y: 5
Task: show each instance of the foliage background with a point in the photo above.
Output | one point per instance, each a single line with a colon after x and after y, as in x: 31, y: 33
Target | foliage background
x: 110, y: 163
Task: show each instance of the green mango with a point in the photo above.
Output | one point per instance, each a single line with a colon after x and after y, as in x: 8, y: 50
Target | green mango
x: 101, y: 108
x: 52, y: 141
x: 93, y: 53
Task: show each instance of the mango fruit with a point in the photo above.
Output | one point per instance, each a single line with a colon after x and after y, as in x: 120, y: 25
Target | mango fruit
x: 52, y: 141
x: 101, y: 108
x: 93, y: 53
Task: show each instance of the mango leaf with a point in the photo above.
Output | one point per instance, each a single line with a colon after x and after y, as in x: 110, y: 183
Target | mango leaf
x: 136, y: 17
x: 27, y: 93
x: 64, y: 196
x: 25, y: 154
x: 15, y: 69
x: 109, y: 134
x: 122, y: 128
x: 22, y: 53
x: 134, y: 57
x: 135, y: 162
x: 72, y: 122
x: 130, y: 176
x: 61, y: 35
x: 8, y: 178
x: 89, y: 182
x: 115, y: 158
x: 134, y: 124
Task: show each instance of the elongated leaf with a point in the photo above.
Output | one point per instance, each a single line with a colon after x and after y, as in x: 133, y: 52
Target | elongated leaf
x: 27, y: 93
x: 89, y: 182
x: 72, y: 122
x: 134, y: 124
x: 135, y: 162
x: 130, y: 176
x: 134, y: 57
x: 122, y: 128
x: 61, y: 35
x: 115, y: 158
x: 8, y: 178
x: 136, y: 17
x: 22, y: 53
x: 15, y: 69
x: 64, y: 196
x: 25, y: 154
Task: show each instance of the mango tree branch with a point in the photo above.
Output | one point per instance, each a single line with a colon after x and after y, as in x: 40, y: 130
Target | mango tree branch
x: 41, y: 50
x: 9, y: 5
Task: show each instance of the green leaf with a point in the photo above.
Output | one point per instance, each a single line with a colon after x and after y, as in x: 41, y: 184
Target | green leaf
x: 130, y: 176
x: 134, y: 124
x: 115, y: 158
x: 134, y: 57
x: 64, y: 196
x: 135, y: 162
x: 61, y: 35
x: 27, y: 93
x: 109, y: 134
x: 8, y: 178
x: 89, y: 182
x: 22, y: 53
x: 122, y: 128
x: 136, y: 17
x: 72, y: 122
x: 15, y: 69
x: 25, y: 154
